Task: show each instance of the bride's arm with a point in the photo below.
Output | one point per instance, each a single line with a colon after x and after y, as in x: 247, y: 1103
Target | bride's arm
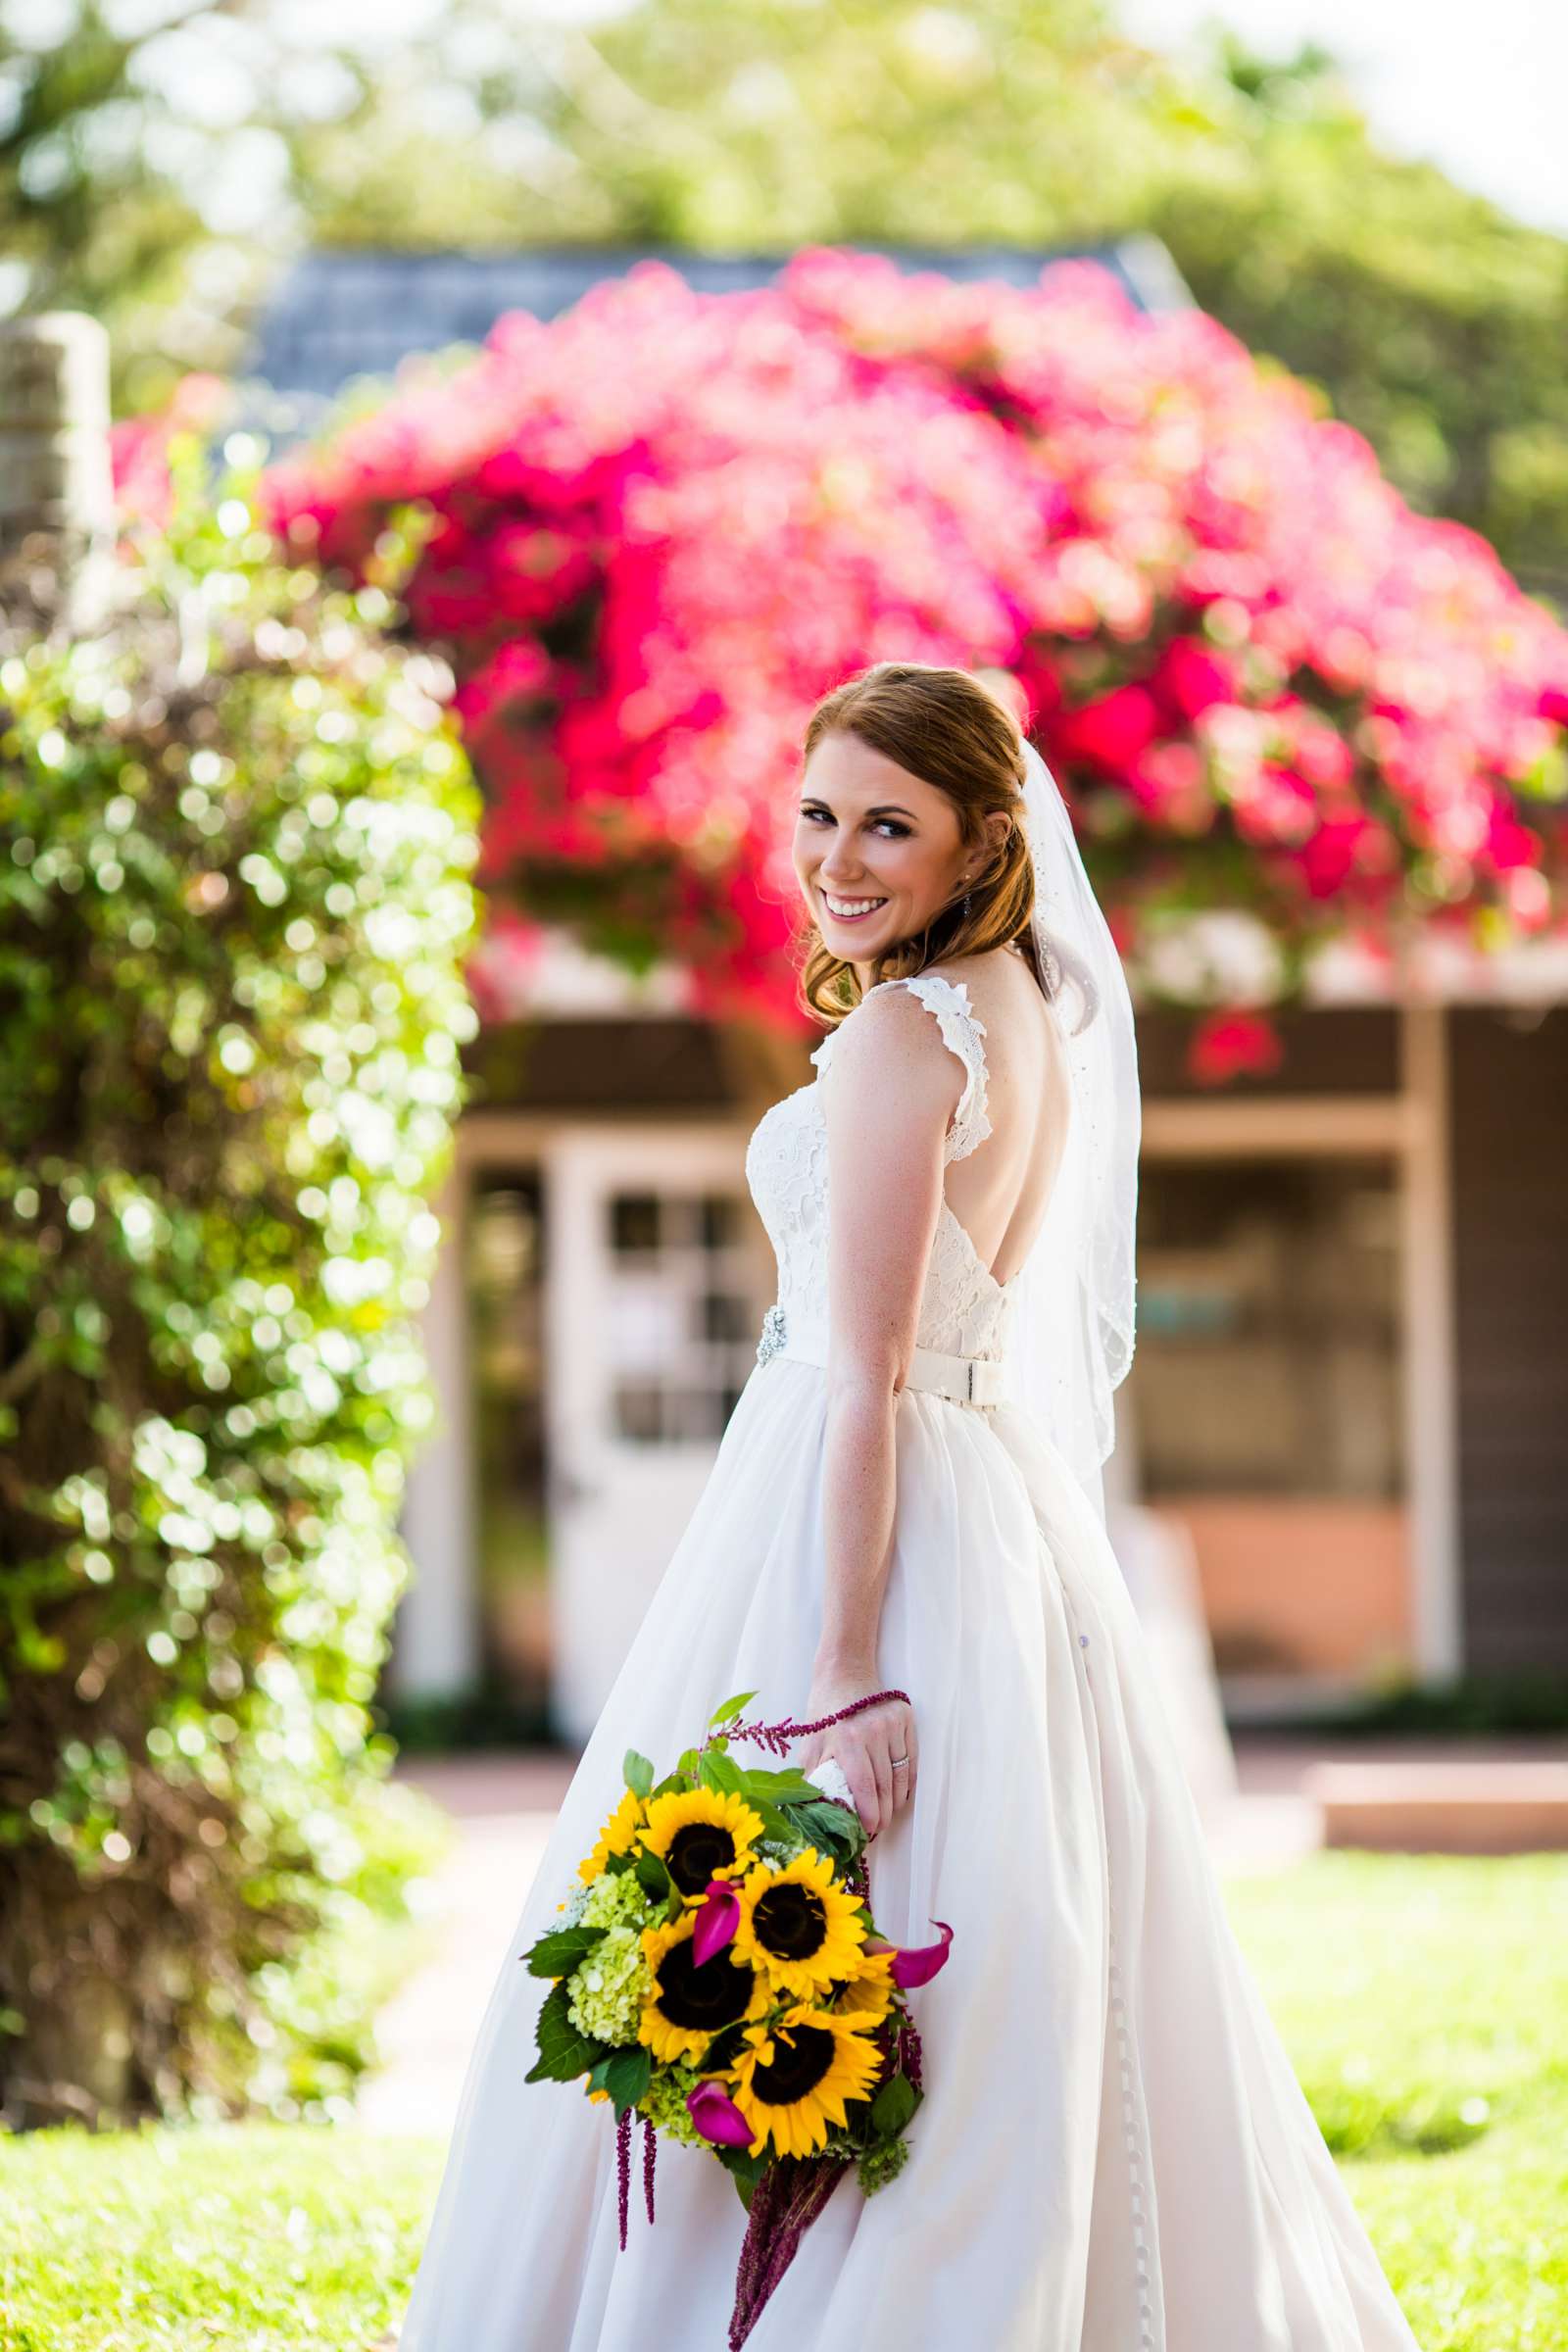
x: 889, y: 1097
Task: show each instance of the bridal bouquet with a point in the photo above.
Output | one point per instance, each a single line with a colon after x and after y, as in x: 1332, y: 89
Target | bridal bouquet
x: 718, y: 1972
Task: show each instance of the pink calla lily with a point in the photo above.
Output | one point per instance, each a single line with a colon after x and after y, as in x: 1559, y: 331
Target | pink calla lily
x: 917, y: 1964
x: 717, y: 2116
x: 716, y: 1921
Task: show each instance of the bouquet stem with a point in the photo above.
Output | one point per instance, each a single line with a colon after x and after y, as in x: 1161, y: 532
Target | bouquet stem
x: 785, y: 2202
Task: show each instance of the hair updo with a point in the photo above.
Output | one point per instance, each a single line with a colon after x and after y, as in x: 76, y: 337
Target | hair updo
x: 950, y: 729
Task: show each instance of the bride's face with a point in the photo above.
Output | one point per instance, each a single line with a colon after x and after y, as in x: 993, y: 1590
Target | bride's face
x: 877, y: 851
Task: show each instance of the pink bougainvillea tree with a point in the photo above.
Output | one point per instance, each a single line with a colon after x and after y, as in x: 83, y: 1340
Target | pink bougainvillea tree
x: 667, y: 521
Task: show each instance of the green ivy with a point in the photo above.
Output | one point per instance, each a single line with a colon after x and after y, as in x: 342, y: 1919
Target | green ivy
x: 236, y: 839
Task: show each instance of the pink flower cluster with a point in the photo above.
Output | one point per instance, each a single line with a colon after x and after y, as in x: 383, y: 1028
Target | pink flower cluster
x: 139, y: 445
x: 667, y: 521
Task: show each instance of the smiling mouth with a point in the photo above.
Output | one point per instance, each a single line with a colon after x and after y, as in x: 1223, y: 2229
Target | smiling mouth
x: 850, y: 910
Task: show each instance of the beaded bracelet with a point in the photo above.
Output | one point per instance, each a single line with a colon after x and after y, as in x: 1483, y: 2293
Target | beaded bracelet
x: 776, y: 1736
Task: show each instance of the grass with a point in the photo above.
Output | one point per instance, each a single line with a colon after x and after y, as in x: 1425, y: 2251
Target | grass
x: 250, y: 2238
x: 1425, y: 2004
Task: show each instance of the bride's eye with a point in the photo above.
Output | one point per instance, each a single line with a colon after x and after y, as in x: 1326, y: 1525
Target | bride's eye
x: 890, y: 826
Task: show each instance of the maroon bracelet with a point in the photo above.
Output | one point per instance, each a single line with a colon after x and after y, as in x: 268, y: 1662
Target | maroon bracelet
x: 776, y: 1736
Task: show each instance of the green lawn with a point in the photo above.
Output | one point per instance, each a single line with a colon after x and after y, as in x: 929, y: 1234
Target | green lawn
x: 264, y: 2237
x: 1425, y: 2004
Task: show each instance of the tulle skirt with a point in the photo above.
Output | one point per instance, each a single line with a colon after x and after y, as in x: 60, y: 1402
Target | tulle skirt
x: 1113, y: 2154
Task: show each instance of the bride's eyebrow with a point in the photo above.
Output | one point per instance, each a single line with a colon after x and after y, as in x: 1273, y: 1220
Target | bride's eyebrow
x: 814, y: 800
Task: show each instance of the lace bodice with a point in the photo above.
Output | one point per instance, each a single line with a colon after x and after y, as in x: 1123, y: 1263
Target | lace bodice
x: 963, y: 1311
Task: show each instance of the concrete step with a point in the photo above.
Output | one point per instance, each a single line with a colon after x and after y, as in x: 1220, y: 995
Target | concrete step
x: 1427, y: 1806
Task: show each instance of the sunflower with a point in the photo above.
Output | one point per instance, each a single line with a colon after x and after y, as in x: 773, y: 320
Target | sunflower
x: 691, y: 2005
x: 701, y: 1833
x: 792, y: 2079
x: 799, y: 1924
x: 618, y: 1837
x: 866, y: 1991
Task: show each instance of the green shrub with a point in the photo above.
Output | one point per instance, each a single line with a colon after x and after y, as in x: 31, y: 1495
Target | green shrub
x: 236, y: 836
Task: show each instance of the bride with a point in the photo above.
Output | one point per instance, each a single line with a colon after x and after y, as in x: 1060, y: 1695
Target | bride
x: 1113, y: 2154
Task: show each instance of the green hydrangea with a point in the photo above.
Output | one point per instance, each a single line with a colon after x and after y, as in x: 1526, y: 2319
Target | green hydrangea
x: 663, y: 2102
x: 615, y: 1900
x: 879, y: 2165
x: 606, y: 1992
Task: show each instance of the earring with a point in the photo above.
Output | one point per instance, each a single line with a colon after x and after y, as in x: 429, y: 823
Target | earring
x: 966, y: 905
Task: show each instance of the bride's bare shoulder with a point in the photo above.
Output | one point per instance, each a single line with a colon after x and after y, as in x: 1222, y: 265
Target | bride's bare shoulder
x: 999, y: 983
x: 889, y: 1049
x: 1023, y: 1039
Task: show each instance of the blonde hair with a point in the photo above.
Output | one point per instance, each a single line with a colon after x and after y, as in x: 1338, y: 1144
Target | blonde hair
x: 950, y: 729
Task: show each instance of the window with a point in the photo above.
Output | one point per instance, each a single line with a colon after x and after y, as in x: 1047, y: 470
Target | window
x: 682, y: 1332
x: 1268, y: 1328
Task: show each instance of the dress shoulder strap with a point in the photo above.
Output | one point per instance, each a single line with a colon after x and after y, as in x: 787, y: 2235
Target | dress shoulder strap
x: 963, y: 1033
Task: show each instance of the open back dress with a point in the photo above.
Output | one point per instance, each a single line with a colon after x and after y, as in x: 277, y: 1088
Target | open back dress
x: 1113, y: 2154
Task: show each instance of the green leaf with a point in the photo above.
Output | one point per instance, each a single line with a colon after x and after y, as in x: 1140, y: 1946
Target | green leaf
x: 779, y: 1784
x: 651, y: 1873
x: 894, y: 2104
x: 627, y: 2075
x: 721, y: 1771
x: 747, y: 2168
x: 558, y: 1953
x: 775, y: 1823
x: 563, y: 2053
x: 687, y: 1766
x: 638, y: 1773
x: 729, y: 1710
x: 834, y: 1825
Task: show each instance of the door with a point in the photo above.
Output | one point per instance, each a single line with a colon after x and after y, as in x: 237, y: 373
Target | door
x: 657, y: 1278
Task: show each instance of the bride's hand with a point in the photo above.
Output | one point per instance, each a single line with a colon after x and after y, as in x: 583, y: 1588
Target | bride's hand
x: 863, y: 1746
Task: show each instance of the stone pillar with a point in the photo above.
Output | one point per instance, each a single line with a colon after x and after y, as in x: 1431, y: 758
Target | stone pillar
x: 57, y: 504
x: 435, y: 1637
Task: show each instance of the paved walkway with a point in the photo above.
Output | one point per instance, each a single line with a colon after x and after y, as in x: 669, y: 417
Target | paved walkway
x: 504, y: 1806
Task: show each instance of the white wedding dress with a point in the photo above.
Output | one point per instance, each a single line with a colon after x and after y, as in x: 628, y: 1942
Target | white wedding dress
x: 1113, y: 2154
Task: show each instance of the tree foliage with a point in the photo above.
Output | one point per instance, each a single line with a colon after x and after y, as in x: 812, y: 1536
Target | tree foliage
x: 1432, y: 322
x: 119, y: 125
